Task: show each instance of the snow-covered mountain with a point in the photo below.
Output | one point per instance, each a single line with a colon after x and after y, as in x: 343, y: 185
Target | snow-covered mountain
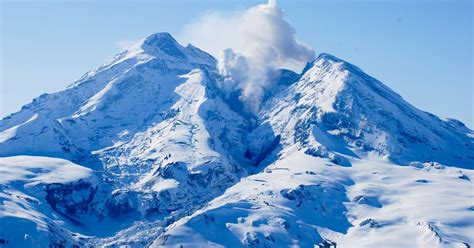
x: 149, y: 149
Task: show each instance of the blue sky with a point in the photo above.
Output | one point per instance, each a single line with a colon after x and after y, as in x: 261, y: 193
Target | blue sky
x: 421, y: 49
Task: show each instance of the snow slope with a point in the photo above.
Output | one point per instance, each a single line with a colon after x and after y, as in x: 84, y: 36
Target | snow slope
x: 304, y: 201
x: 137, y: 84
x: 151, y: 149
x: 344, y: 110
x: 155, y: 126
x: 27, y: 186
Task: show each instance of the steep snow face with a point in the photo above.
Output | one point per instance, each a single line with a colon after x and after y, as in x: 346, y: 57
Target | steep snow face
x: 123, y: 96
x: 336, y: 107
x: 156, y: 125
x: 152, y: 120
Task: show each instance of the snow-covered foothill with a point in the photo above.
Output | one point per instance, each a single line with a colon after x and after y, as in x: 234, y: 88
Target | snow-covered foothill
x: 27, y: 187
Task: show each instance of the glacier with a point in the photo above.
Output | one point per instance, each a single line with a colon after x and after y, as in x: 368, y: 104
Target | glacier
x: 151, y: 150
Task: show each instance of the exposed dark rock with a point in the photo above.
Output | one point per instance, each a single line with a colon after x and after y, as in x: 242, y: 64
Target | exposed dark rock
x: 371, y: 223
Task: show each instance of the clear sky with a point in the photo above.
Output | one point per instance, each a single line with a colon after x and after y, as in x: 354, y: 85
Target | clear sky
x: 423, y: 49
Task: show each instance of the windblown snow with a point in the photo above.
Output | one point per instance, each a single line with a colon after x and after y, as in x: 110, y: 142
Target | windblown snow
x: 151, y: 150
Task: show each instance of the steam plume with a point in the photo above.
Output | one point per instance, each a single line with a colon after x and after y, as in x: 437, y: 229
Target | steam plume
x: 249, y: 46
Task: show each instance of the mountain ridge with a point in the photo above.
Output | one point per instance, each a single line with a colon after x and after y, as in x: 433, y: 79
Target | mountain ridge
x: 166, y: 143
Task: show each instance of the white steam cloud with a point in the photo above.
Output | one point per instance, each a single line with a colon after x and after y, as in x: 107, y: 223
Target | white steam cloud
x: 249, y: 45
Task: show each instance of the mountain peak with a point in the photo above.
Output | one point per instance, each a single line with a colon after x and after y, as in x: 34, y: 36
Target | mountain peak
x: 159, y: 38
x: 165, y: 146
x: 368, y: 116
x: 163, y: 43
x: 327, y: 56
x: 322, y: 58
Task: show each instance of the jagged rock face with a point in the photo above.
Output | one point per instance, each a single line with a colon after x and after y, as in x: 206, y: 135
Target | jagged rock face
x: 176, y: 157
x: 70, y: 199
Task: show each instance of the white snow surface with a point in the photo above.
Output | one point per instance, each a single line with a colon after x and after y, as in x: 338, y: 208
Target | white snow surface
x: 40, y: 170
x: 152, y: 149
x: 303, y: 201
x: 27, y: 219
